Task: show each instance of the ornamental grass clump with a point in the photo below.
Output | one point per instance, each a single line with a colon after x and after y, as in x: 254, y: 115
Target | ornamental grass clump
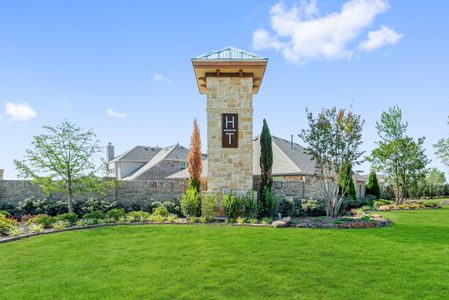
x: 137, y: 216
x: 240, y: 220
x: 60, y: 224
x: 15, y: 231
x: 36, y: 228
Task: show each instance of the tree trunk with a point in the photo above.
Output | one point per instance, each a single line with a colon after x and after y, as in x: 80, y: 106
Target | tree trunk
x: 70, y: 196
x: 70, y: 203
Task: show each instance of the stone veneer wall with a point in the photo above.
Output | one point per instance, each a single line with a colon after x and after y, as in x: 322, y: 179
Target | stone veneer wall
x: 229, y: 169
x: 145, y: 191
x: 126, y: 192
x: 308, y: 188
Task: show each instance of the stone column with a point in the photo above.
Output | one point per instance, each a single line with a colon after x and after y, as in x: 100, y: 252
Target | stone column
x: 229, y: 169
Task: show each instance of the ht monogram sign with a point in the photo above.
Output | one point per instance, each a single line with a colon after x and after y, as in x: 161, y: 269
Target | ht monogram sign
x: 230, y: 126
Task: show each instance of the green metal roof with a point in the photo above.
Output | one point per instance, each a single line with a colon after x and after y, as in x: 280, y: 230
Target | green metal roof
x: 229, y: 53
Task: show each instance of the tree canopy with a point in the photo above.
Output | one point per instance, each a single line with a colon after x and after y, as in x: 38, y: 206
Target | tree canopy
x: 400, y: 157
x: 63, y: 160
x: 333, y: 138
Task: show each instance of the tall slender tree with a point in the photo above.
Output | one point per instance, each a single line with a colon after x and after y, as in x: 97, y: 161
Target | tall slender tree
x: 63, y: 160
x: 347, y: 182
x: 266, y: 157
x: 372, y: 187
x: 195, y: 158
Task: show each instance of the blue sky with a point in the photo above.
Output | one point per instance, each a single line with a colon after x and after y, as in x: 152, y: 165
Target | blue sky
x: 123, y: 67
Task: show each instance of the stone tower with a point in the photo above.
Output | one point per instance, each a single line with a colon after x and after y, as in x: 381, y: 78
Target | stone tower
x: 229, y: 78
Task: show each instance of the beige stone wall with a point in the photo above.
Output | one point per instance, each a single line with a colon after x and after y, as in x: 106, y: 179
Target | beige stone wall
x: 229, y: 169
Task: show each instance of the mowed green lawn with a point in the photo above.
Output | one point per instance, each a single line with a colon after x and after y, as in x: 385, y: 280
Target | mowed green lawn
x: 409, y: 260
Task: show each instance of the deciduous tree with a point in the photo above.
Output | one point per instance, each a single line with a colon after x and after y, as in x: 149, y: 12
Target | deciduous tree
x: 63, y: 160
x: 400, y: 157
x: 333, y: 139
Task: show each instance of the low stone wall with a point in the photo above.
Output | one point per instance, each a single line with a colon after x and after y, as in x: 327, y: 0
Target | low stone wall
x: 124, y: 192
x: 143, y: 192
x: 307, y: 188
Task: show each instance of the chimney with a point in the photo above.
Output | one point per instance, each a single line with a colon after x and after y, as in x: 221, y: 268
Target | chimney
x: 109, y: 152
x: 291, y: 143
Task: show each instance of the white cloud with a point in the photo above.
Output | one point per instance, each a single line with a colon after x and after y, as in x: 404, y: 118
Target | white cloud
x: 301, y: 34
x: 112, y: 113
x: 20, y: 112
x: 161, y: 78
x: 379, y: 38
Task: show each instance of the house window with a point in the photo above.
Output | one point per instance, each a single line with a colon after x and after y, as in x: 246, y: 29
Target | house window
x: 183, y: 165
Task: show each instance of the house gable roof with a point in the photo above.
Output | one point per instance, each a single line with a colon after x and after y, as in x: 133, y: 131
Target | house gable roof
x: 138, y: 154
x: 288, y: 159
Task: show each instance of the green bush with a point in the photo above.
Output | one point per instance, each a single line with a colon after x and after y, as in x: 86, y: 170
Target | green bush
x: 428, y: 203
x: 95, y: 215
x: 372, y: 187
x: 381, y: 202
x: 231, y: 206
x: 268, y: 203
x: 172, y: 206
x: 60, y: 224
x: 241, y: 220
x: 92, y: 205
x: 15, y: 231
x: 137, y: 216
x: 6, y: 224
x: 115, y: 213
x: 42, y: 219
x: 68, y: 217
x: 309, y: 205
x: 267, y: 220
x: 190, y: 202
x: 36, y: 228
x: 161, y: 210
x: 208, y: 204
x: 33, y: 206
x: 286, y: 206
x: 171, y: 218
x: 249, y: 204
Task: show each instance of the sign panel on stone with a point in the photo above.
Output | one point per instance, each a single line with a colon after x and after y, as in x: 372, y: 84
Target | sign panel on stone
x: 230, y: 126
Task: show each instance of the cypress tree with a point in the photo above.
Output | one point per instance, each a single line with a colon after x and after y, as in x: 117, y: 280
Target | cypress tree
x: 266, y: 157
x: 372, y: 187
x: 266, y: 164
x: 347, y: 183
x: 195, y: 158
